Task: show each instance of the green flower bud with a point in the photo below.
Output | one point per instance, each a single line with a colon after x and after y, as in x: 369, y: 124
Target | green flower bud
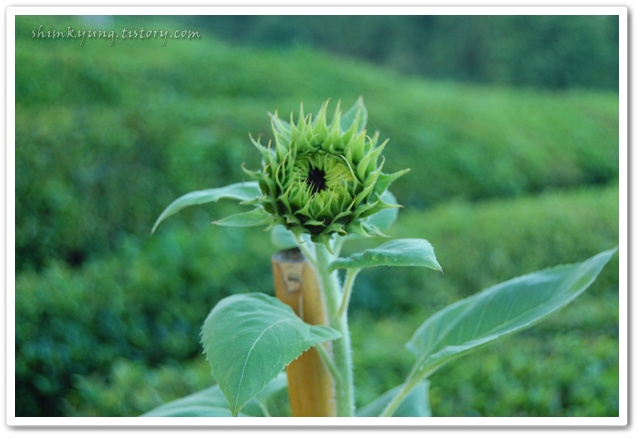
x: 321, y: 178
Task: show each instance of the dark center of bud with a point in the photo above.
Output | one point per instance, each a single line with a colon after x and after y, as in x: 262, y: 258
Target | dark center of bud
x: 316, y: 180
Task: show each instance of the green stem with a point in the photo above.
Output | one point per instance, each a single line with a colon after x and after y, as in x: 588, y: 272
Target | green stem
x: 308, y: 250
x: 328, y: 362
x: 399, y: 398
x: 413, y: 379
x: 263, y: 408
x: 342, y: 346
x: 348, y: 287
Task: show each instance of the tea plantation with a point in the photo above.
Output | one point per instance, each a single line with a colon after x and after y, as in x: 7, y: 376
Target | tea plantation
x: 503, y: 181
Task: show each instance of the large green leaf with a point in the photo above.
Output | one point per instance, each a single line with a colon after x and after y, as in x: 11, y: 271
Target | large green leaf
x: 210, y: 402
x: 416, y: 404
x: 250, y: 338
x: 399, y: 252
x: 498, y: 311
x: 252, y: 218
x: 244, y: 191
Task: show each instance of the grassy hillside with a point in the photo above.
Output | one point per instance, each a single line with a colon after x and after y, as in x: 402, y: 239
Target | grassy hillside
x: 108, y: 136
x: 503, y: 182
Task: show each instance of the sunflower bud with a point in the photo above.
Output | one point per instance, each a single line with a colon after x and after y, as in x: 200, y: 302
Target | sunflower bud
x: 320, y: 177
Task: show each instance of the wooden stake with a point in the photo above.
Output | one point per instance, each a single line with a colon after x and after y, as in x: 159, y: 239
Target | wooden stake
x: 311, y: 390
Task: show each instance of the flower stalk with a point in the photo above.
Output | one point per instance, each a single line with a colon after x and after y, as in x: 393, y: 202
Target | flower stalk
x: 342, y: 354
x: 346, y: 291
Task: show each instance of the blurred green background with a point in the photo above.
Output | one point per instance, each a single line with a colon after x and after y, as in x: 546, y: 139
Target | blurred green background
x: 510, y: 127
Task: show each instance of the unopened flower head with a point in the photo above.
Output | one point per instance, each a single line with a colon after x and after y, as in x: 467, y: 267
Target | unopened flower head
x: 320, y: 177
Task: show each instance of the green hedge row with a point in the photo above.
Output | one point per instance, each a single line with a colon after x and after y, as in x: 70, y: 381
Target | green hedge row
x: 146, y: 304
x: 544, y: 51
x: 107, y: 136
x: 561, y: 369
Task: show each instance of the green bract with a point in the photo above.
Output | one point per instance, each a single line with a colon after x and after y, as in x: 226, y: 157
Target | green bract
x: 320, y: 177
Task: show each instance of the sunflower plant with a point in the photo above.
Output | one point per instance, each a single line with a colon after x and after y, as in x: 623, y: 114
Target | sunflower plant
x: 322, y: 182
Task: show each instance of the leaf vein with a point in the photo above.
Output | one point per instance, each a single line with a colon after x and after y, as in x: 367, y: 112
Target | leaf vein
x: 244, y: 367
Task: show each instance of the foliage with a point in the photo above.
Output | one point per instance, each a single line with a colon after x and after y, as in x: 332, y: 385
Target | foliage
x: 545, y: 51
x: 131, y: 387
x: 398, y: 252
x: 250, y: 338
x: 473, y: 322
x: 146, y: 303
x: 262, y: 346
x: 211, y: 402
x: 531, y: 377
x: 415, y: 405
x: 104, y: 143
x: 152, y: 122
x: 533, y: 232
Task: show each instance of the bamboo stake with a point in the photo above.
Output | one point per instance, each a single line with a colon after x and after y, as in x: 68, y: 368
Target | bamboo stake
x: 311, y: 389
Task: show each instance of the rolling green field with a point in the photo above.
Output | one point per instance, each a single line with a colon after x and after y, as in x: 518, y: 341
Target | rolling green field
x: 503, y: 182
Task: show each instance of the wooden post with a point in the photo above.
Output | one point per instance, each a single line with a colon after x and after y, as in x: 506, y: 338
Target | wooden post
x: 311, y: 390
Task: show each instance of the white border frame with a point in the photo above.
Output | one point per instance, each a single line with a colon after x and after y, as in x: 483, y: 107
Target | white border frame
x: 580, y: 422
